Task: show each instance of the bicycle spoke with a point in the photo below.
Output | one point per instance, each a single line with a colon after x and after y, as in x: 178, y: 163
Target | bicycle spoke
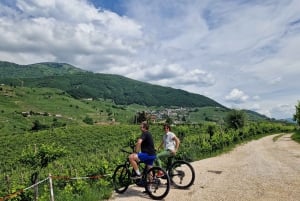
x: 182, y: 174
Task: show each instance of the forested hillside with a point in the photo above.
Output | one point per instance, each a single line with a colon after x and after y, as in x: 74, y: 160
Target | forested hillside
x: 83, y: 84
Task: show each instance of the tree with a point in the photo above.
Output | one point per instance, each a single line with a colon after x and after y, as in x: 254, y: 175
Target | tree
x: 211, y: 129
x: 236, y: 119
x: 169, y: 120
x: 88, y: 120
x: 141, y: 117
x: 38, y: 126
x: 296, y: 116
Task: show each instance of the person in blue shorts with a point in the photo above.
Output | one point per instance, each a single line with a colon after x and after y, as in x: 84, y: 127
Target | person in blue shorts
x: 144, y: 151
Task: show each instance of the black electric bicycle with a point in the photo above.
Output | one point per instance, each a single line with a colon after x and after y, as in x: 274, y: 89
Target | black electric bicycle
x: 157, y: 187
x: 181, y: 173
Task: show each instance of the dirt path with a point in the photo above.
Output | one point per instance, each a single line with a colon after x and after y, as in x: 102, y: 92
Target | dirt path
x: 260, y: 170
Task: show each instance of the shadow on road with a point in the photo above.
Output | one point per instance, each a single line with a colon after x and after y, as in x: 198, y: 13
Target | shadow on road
x: 133, y: 192
x: 215, y: 171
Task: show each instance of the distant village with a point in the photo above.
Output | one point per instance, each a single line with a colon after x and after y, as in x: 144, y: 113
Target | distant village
x: 176, y: 115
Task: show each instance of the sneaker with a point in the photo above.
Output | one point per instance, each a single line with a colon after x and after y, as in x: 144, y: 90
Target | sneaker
x: 135, y: 176
x: 160, y: 173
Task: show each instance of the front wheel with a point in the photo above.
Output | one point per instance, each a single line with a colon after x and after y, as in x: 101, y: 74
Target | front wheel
x: 157, y: 186
x: 182, y: 174
x: 121, y: 178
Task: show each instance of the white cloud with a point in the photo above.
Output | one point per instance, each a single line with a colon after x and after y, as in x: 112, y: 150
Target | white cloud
x: 67, y: 31
x: 176, y: 76
x: 236, y: 96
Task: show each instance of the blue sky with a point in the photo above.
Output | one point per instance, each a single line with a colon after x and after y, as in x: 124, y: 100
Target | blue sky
x: 243, y: 54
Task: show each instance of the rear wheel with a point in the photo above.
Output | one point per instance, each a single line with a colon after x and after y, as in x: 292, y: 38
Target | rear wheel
x: 182, y: 174
x: 157, y: 186
x: 121, y: 179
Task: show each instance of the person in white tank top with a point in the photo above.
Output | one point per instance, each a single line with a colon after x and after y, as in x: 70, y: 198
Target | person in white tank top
x: 170, y: 143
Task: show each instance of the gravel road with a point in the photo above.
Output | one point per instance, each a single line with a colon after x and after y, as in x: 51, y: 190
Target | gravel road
x: 260, y: 170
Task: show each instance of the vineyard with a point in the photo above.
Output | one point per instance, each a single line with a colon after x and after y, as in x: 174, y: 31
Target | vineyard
x: 92, y: 151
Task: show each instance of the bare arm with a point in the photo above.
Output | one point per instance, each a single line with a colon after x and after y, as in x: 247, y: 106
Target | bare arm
x: 177, y: 142
x: 138, y: 145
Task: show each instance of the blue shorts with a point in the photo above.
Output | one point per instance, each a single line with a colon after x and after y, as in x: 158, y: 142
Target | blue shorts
x: 146, y: 158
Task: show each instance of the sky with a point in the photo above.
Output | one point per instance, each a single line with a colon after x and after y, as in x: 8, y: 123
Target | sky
x: 242, y: 54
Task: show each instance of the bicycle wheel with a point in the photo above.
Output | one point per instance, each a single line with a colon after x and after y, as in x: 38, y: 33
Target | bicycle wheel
x: 157, y: 187
x: 182, y: 174
x: 121, y: 179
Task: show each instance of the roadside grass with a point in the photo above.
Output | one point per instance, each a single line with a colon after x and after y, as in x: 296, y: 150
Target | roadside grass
x: 296, y: 136
x: 277, y: 137
x: 230, y: 147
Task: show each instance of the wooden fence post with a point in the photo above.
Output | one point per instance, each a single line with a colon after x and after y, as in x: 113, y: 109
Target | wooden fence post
x: 51, y: 188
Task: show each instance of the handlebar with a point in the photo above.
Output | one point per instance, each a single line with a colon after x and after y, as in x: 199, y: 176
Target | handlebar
x: 131, y: 145
x: 125, y: 151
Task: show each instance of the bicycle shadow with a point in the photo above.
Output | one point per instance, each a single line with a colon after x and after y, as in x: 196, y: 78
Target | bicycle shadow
x: 133, y: 191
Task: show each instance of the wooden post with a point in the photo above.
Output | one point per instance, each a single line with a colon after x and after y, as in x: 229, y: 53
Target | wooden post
x: 51, y: 188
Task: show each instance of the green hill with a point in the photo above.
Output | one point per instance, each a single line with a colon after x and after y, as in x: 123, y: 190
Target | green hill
x: 11, y: 70
x: 83, y: 84
x: 62, y: 89
x: 21, y: 107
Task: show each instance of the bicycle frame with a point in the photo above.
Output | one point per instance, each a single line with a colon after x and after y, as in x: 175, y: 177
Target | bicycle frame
x: 156, y: 187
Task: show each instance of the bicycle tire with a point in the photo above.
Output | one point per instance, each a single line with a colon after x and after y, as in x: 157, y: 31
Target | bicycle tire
x: 121, y: 178
x: 182, y: 174
x: 157, y: 187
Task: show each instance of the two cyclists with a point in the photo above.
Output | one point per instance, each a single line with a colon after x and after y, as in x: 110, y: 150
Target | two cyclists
x: 145, y: 150
x: 142, y: 156
x: 180, y: 173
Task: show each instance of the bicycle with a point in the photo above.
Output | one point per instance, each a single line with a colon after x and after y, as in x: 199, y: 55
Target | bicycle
x: 157, y: 188
x: 180, y: 172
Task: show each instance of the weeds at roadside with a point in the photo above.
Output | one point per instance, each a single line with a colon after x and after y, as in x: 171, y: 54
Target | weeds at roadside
x: 277, y: 137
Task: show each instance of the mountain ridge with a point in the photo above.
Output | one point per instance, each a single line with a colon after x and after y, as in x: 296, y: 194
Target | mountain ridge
x: 84, y: 84
x: 12, y: 70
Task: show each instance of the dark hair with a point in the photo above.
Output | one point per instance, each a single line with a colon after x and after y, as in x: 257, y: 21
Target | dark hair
x: 145, y: 125
x: 167, y: 126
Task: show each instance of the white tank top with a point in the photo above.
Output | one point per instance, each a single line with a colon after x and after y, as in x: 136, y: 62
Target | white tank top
x: 169, y: 143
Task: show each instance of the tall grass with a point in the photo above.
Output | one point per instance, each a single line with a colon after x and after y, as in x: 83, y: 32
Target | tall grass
x: 296, y: 136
